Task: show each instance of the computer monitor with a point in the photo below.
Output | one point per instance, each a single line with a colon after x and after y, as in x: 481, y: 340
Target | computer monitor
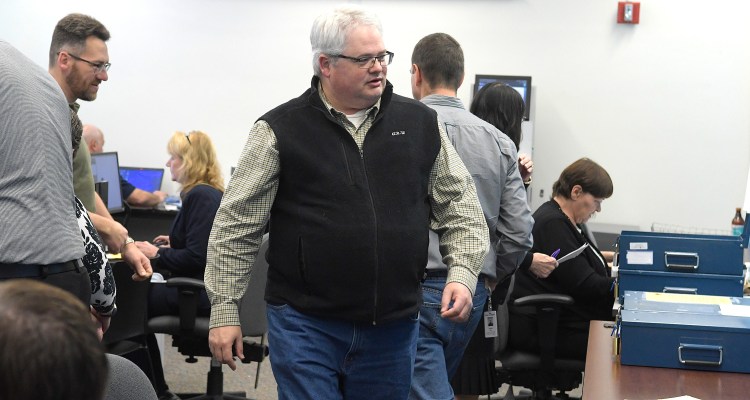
x: 106, y: 168
x: 147, y: 179
x: 522, y: 84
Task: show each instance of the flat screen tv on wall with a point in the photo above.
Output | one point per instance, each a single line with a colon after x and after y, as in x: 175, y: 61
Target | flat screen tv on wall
x: 522, y: 84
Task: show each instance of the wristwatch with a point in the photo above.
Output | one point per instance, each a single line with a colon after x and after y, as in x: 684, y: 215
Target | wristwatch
x: 127, y: 242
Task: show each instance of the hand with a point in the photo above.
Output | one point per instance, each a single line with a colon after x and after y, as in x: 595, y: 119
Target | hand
x: 525, y: 166
x: 162, y: 241
x: 161, y: 195
x: 460, y: 295
x: 138, y: 262
x: 542, y: 265
x: 221, y: 340
x: 148, y: 249
x: 101, y: 322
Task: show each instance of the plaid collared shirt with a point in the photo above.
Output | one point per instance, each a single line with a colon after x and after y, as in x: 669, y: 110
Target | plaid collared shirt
x: 244, y: 211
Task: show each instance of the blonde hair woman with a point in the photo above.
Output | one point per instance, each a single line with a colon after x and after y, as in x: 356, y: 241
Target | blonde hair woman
x: 194, y: 165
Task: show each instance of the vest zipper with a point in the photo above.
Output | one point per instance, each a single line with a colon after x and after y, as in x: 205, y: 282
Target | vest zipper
x: 375, y: 241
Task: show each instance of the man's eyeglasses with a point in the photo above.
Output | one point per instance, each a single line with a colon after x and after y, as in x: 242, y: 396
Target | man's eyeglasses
x: 98, y: 67
x: 368, y: 61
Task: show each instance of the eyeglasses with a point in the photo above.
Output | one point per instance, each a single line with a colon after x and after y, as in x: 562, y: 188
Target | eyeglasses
x: 369, y: 61
x: 98, y: 67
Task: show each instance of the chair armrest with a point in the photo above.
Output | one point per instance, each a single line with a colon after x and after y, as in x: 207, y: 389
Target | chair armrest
x: 183, y: 282
x: 546, y: 298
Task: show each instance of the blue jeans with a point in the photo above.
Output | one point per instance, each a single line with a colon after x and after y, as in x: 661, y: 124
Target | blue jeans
x: 441, y: 342
x: 318, y: 358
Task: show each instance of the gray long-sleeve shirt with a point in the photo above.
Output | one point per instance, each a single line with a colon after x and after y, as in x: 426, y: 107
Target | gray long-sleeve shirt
x: 491, y: 158
x: 37, y: 206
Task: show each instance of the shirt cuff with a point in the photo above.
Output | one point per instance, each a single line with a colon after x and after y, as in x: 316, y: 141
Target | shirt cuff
x: 464, y: 276
x: 224, y: 315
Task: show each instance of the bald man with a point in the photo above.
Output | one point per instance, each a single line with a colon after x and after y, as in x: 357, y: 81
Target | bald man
x: 135, y: 197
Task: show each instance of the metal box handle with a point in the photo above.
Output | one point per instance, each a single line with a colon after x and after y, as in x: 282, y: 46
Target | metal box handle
x: 667, y: 254
x: 680, y: 290
x: 703, y: 347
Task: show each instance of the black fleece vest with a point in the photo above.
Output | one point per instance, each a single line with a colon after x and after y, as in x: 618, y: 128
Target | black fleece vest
x: 349, y: 232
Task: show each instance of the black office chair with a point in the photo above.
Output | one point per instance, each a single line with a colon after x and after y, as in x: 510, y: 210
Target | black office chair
x: 190, y: 332
x: 543, y: 372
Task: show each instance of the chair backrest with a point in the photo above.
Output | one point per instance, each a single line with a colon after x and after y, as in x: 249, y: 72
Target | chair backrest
x: 132, y: 306
x: 127, y: 381
x: 540, y: 371
x: 253, y: 305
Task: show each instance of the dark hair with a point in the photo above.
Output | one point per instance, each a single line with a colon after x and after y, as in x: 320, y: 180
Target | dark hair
x: 49, y: 345
x: 441, y: 60
x: 592, y: 178
x: 502, y: 106
x: 72, y: 32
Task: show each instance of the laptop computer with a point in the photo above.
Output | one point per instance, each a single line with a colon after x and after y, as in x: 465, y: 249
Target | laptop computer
x: 146, y: 179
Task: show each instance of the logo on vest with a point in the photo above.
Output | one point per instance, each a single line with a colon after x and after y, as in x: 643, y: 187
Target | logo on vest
x: 398, y: 133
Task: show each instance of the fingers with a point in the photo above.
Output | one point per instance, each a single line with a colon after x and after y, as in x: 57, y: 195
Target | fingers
x: 526, y: 165
x: 457, y: 313
x: 142, y: 270
x: 238, y: 348
x: 220, y: 341
x: 456, y: 302
x: 542, y: 265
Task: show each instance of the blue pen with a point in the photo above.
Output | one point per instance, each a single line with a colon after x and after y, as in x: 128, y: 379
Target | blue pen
x: 555, y: 253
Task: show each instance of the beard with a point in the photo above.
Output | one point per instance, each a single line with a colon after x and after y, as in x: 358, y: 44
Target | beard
x: 78, y: 85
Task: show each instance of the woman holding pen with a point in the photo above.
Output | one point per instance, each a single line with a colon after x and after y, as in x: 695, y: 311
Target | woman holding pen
x: 577, y: 196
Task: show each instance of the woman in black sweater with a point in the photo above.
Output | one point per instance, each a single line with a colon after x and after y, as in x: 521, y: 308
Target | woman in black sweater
x: 577, y: 195
x: 193, y: 164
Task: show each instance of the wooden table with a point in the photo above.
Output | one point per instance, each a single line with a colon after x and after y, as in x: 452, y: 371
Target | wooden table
x: 606, y: 379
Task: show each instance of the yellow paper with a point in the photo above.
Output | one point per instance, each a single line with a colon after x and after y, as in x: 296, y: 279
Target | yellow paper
x: 687, y: 298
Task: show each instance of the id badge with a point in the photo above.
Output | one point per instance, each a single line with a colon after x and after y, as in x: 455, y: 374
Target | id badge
x: 490, y: 324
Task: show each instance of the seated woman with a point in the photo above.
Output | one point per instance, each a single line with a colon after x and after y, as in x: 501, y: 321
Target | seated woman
x: 193, y: 164
x: 576, y: 196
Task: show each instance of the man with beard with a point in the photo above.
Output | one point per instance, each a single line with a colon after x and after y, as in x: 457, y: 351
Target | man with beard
x: 78, y: 60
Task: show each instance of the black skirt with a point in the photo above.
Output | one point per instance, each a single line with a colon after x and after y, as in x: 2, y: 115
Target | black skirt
x: 476, y: 374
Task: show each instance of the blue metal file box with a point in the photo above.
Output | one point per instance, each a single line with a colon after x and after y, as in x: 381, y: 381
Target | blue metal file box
x: 710, y: 333
x: 681, y: 263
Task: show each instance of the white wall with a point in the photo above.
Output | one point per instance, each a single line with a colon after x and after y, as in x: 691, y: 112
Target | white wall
x: 663, y: 105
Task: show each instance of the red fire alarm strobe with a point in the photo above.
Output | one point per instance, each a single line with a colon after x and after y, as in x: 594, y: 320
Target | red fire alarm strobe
x: 628, y: 12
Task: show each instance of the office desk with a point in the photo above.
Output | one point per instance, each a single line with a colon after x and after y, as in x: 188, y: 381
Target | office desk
x: 147, y: 223
x: 606, y: 379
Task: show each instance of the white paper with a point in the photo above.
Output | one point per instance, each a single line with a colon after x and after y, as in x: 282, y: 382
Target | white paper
x: 734, y: 310
x: 640, y: 257
x: 572, y: 254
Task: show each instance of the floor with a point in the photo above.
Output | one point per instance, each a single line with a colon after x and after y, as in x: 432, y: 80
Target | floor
x: 184, y: 378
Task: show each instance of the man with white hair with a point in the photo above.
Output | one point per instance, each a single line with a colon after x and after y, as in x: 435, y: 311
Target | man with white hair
x: 352, y: 176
